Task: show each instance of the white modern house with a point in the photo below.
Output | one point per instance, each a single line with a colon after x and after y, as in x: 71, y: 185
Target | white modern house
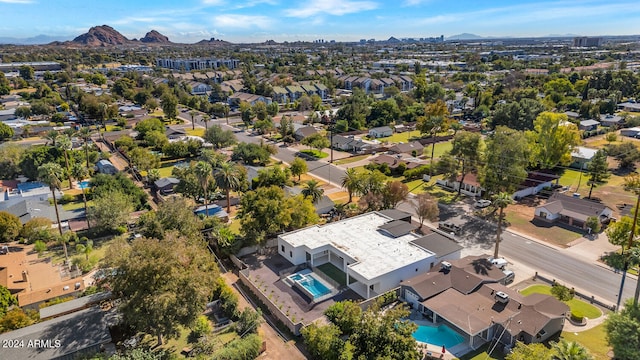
x: 374, y: 251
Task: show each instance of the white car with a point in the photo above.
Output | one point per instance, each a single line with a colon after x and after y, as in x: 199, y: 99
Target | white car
x: 480, y: 204
x: 500, y: 263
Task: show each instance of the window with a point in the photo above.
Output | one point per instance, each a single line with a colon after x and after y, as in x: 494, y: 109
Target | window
x: 282, y: 248
x: 290, y: 253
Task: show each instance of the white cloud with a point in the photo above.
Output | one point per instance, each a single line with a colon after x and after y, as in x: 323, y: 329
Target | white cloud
x: 415, y: 2
x: 331, y: 7
x: 213, y: 2
x: 16, y: 1
x: 241, y: 21
x: 135, y: 20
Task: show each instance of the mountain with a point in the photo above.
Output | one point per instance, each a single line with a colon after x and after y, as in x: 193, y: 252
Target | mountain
x: 155, y: 37
x: 393, y: 40
x: 464, y: 36
x: 103, y: 35
x: 212, y: 41
x: 36, y: 40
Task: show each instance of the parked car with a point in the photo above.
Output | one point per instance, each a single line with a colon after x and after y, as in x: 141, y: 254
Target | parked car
x: 480, y: 204
x: 501, y: 263
x: 509, y: 276
x: 450, y: 227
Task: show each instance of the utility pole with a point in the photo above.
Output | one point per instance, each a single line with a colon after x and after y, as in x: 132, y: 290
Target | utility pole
x: 629, y: 245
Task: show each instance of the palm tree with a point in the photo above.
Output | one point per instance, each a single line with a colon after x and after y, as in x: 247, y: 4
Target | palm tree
x: 228, y: 178
x: 313, y: 190
x: 153, y: 175
x: 226, y: 110
x: 205, y: 120
x: 352, y: 181
x: 80, y: 172
x: 64, y: 143
x: 501, y: 201
x: 52, y: 136
x: 570, y: 350
x: 85, y: 248
x: 85, y: 134
x: 50, y: 174
x: 102, y: 114
x: 203, y: 171
x: 193, y: 115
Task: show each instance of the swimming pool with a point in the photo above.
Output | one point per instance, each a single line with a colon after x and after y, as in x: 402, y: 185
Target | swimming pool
x: 438, y: 335
x: 314, y: 287
x: 84, y: 184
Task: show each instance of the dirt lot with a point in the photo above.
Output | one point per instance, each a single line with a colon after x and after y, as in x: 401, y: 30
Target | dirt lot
x: 520, y: 218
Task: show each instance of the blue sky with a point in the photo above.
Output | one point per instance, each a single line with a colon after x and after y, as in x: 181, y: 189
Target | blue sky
x: 342, y: 20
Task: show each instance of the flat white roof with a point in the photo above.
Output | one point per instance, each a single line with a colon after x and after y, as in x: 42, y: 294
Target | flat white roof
x: 376, y: 252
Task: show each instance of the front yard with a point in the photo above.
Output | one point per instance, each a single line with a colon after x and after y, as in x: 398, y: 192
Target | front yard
x: 576, y: 305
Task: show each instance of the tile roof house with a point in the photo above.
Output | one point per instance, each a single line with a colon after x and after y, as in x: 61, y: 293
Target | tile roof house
x: 468, y: 295
x: 165, y: 185
x: 407, y: 148
x: 304, y: 132
x: 572, y: 211
x: 588, y: 125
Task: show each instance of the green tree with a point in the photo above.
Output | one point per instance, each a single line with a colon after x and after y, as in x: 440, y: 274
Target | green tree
x: 433, y: 122
x: 346, y: 315
x: 218, y: 137
x: 176, y: 214
x: 193, y: 114
x: 323, y: 342
x: 26, y: 72
x: 143, y: 159
x: 286, y: 129
x: 23, y: 112
x: 40, y: 246
x: 467, y: 149
x: 570, y: 350
x: 272, y: 176
x: 266, y: 211
x: 169, y: 105
x: 204, y: 172
x: 598, y: 170
x: 50, y: 174
x: 80, y: 172
x: 64, y: 143
x: 9, y: 227
x: 561, y: 292
x: 156, y: 140
x: 248, y: 321
x: 535, y: 351
x: 552, y: 140
x: 159, y: 305
x: 6, y: 132
x: 85, y: 134
x: 228, y: 177
x: 252, y: 154
x: 313, y: 191
x: 38, y: 228
x: 426, y: 207
x: 316, y: 141
x: 505, y: 161
x: 298, y: 167
x: 500, y: 201
x: 10, y: 157
x: 383, y: 113
x: 148, y: 125
x: 15, y: 319
x: 110, y: 210
x: 623, y: 331
x: 593, y: 224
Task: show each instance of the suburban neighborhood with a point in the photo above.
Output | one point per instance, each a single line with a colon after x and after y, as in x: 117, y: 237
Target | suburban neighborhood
x: 382, y: 199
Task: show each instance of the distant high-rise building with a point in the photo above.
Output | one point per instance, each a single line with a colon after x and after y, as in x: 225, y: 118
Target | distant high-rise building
x: 586, y: 41
x: 197, y: 64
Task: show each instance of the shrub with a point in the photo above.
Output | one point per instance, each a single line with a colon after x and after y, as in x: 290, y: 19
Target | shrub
x: 66, y: 198
x: 247, y: 347
x: 561, y: 292
x: 201, y: 328
x: 577, y: 316
x: 416, y: 173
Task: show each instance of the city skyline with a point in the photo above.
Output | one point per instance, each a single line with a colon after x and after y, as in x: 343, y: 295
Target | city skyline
x: 341, y: 20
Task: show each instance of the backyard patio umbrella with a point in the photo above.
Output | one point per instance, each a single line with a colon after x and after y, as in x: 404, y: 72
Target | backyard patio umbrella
x: 443, y: 349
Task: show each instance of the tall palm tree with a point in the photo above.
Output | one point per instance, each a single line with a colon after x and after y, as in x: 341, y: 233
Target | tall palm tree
x: 501, y: 201
x: 193, y: 116
x: 205, y: 120
x: 226, y: 111
x: 102, y: 114
x: 64, y: 143
x: 228, y: 178
x: 85, y: 134
x: 50, y: 174
x: 313, y: 190
x: 203, y: 171
x: 570, y: 350
x: 80, y: 172
x: 352, y: 181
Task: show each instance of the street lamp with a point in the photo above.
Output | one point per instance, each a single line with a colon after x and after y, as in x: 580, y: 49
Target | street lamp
x: 630, y: 244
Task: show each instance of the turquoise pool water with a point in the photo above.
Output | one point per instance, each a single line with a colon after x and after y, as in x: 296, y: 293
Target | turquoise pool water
x: 313, y: 285
x: 84, y: 184
x: 438, y: 335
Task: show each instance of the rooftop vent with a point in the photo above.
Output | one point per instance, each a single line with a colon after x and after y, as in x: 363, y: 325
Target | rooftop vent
x: 446, y: 266
x: 502, y: 297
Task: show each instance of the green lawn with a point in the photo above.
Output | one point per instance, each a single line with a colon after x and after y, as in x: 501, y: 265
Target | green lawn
x: 333, y: 272
x: 575, y: 304
x: 439, y: 150
x: 196, y: 132
x: 76, y: 205
x: 417, y: 186
x: 401, y: 137
x: 481, y: 354
x: 593, y: 339
x: 315, y: 153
